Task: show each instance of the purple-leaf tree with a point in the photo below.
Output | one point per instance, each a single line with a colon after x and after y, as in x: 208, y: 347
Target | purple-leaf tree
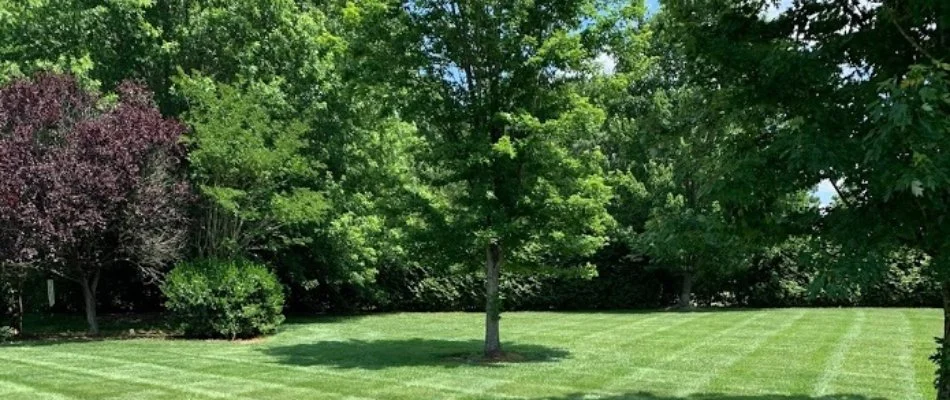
x: 88, y: 184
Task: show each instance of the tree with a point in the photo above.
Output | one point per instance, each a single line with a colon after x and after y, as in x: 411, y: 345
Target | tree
x: 251, y: 167
x: 11, y: 296
x: 88, y: 186
x: 853, y: 93
x: 106, y: 43
x: 674, y: 161
x: 688, y: 154
x: 296, y: 65
x: 516, y: 177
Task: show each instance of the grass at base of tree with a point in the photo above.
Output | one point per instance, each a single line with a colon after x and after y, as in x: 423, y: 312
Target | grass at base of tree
x: 787, y: 354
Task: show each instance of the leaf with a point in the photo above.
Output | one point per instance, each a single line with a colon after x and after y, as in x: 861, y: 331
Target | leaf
x: 917, y: 188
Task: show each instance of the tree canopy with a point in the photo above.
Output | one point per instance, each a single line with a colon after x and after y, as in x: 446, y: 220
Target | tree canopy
x: 85, y: 189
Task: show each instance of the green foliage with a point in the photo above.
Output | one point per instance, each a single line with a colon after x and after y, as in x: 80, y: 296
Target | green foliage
x: 678, y: 165
x: 7, y: 295
x: 107, y: 42
x: 796, y: 274
x: 878, y: 147
x: 376, y: 151
x: 514, y: 177
x: 868, y: 112
x: 224, y: 299
x: 251, y: 165
x: 7, y: 333
x: 622, y: 281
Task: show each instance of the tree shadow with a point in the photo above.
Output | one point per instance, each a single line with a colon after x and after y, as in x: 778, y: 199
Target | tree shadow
x: 381, y: 354
x: 54, y: 329
x: 712, y: 396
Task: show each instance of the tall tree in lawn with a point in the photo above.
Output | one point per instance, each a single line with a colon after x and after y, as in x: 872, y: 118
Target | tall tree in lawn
x: 516, y: 173
x: 855, y: 93
x: 88, y: 185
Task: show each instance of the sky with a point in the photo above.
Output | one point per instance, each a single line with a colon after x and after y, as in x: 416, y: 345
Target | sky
x: 825, y: 193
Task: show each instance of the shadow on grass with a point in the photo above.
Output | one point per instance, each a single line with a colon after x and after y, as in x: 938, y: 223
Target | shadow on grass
x: 381, y: 354
x: 714, y: 396
x: 52, y: 329
x: 303, y: 319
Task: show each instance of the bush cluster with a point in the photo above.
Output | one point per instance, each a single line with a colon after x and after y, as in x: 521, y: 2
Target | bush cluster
x: 7, y: 333
x: 775, y: 280
x: 230, y: 299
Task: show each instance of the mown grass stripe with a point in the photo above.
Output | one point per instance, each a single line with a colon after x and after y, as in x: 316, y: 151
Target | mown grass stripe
x: 578, y: 375
x: 620, y: 326
x: 675, y: 355
x: 692, y: 317
x: 906, y: 332
x: 238, y: 380
x: 348, y: 376
x: 926, y: 325
x: 678, y: 355
x: 126, y: 379
x: 345, y: 375
x: 555, y: 325
x: 835, y: 362
x: 642, y: 372
x: 750, y: 347
x: 33, y: 392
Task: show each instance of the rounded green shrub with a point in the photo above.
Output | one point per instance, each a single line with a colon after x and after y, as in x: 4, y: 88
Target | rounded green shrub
x: 233, y: 299
x: 7, y: 333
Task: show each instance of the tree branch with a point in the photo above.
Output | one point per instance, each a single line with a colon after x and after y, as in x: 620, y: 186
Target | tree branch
x: 840, y: 195
x: 907, y: 36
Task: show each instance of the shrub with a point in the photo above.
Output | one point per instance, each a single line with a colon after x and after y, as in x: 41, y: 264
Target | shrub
x: 224, y: 299
x: 7, y: 333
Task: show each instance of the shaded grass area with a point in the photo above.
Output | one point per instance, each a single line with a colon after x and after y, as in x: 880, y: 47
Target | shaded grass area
x: 53, y: 326
x: 792, y: 354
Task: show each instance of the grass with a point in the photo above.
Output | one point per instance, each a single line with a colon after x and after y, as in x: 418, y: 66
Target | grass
x: 791, y: 354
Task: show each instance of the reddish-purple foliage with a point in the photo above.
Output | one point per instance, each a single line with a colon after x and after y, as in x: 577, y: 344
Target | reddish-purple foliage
x: 83, y: 185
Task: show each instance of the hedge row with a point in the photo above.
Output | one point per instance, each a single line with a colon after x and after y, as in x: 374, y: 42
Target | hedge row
x: 628, y: 285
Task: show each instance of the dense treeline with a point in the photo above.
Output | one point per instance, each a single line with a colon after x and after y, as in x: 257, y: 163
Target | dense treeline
x: 771, y: 281
x: 475, y: 154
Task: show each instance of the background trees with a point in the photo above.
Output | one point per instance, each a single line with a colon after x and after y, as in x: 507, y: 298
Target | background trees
x: 295, y: 68
x: 867, y: 111
x: 262, y: 190
x: 87, y: 189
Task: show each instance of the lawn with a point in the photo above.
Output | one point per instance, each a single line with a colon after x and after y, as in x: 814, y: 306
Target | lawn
x: 791, y: 354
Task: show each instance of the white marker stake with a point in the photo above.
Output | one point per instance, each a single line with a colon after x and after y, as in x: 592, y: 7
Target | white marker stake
x: 50, y: 293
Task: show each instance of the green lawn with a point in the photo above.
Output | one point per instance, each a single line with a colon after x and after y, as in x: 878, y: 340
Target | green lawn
x: 793, y: 354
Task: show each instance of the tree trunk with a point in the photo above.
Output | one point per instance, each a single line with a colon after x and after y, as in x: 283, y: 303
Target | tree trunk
x: 18, y: 321
x: 492, y: 301
x: 942, y: 357
x: 686, y: 291
x: 89, y: 295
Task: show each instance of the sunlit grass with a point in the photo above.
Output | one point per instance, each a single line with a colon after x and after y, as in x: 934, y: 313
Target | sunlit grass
x: 793, y: 354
